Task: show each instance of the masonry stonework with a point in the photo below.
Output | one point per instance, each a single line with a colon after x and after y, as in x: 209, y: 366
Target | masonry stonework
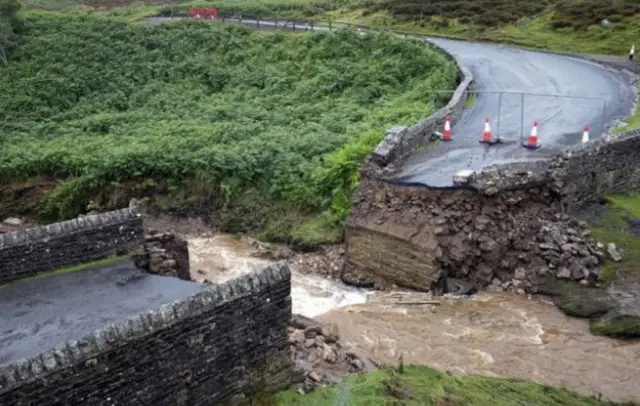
x: 219, y: 346
x: 505, y: 226
x: 85, y: 239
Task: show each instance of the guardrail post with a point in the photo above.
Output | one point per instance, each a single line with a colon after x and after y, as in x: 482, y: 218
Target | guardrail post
x: 293, y: 25
x: 312, y: 26
x: 499, y: 115
x: 257, y: 22
x: 329, y: 25
x: 521, y: 118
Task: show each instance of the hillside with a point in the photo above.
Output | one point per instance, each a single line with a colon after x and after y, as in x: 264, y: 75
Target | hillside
x: 267, y: 131
x: 563, y: 25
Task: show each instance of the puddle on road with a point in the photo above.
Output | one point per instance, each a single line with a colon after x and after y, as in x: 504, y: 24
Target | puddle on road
x: 223, y: 257
x: 492, y: 334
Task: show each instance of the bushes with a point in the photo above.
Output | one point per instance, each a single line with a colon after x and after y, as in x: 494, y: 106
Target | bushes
x: 576, y: 14
x: 580, y: 14
x: 100, y: 102
x: 480, y: 12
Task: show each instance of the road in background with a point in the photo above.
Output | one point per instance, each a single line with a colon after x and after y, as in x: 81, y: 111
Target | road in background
x: 563, y: 93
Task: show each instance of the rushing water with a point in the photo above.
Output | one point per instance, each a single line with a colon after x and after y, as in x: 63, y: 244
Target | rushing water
x: 224, y: 257
x: 491, y: 334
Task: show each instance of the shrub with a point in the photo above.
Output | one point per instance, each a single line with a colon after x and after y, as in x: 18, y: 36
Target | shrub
x: 288, y: 115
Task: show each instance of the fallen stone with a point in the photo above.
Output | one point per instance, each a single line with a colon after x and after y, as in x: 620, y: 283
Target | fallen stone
x: 564, y: 273
x: 613, y: 252
x: 520, y: 273
x: 12, y: 221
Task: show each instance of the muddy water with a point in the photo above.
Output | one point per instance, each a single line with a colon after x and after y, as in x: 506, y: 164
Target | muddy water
x: 223, y: 257
x: 499, y: 335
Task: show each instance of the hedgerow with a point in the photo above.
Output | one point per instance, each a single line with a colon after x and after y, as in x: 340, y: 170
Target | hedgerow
x: 206, y: 108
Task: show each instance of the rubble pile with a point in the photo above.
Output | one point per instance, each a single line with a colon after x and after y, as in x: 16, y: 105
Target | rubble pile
x: 317, y: 351
x: 164, y: 254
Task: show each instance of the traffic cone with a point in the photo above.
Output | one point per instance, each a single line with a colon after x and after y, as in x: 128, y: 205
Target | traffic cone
x: 446, y: 135
x: 487, y: 138
x: 532, y: 141
x: 585, y: 134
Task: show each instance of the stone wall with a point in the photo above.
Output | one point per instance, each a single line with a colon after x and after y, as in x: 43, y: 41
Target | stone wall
x: 218, y: 346
x: 500, y: 239
x: 504, y: 226
x: 399, y: 142
x: 607, y: 166
x: 27, y: 253
x: 164, y: 254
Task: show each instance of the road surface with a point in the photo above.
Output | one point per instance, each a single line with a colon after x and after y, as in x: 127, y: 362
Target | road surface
x: 563, y: 93
x: 599, y: 96
x: 39, y: 314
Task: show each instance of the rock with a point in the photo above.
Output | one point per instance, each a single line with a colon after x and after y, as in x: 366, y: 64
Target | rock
x: 297, y: 337
x: 164, y: 254
x: 564, y: 273
x: 607, y: 24
x: 520, y: 273
x: 329, y: 355
x: 614, y: 311
x: 12, y: 221
x: 576, y: 271
x: 613, y: 252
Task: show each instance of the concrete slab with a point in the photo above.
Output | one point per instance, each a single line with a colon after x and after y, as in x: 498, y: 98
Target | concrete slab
x: 39, y: 314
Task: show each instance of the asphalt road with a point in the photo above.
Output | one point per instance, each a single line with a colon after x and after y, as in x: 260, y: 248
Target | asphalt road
x: 587, y: 93
x: 563, y: 93
x: 39, y: 314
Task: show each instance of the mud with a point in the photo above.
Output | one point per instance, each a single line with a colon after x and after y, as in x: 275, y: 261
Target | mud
x: 492, y: 334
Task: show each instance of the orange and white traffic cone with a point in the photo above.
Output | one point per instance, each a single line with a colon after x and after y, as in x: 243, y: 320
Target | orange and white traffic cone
x: 532, y: 141
x: 487, y: 137
x: 585, y: 134
x: 446, y: 135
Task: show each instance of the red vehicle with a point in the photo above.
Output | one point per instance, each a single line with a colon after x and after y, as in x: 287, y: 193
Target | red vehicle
x: 206, y: 13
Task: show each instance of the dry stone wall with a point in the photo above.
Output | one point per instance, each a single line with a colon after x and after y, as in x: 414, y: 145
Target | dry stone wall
x: 507, y: 239
x: 30, y: 252
x: 503, y: 227
x: 400, y: 141
x: 216, y: 347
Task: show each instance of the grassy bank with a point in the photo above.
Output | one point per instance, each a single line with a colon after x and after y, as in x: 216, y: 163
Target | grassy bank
x: 266, y: 130
x: 80, y: 267
x: 561, y: 25
x: 419, y: 385
x: 613, y: 226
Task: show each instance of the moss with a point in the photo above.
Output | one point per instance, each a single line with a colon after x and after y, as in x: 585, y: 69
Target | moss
x: 613, y: 227
x: 80, y: 267
x: 420, y: 385
x: 617, y: 326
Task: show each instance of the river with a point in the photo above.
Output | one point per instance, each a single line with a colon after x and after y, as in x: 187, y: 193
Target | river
x: 491, y: 334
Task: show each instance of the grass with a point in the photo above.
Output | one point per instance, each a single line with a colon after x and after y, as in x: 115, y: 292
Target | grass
x: 420, y: 385
x: 77, y: 268
x: 632, y: 121
x: 209, y: 116
x: 613, y: 227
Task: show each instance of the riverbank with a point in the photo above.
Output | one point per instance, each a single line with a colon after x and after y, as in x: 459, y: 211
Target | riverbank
x: 419, y: 385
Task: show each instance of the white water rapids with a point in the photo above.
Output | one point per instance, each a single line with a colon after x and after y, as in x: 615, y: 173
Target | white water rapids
x: 223, y: 257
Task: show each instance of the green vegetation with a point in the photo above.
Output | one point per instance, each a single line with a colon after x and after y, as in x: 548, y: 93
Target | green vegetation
x: 632, y: 122
x: 562, y: 25
x: 10, y: 26
x: 419, y: 385
x: 267, y: 130
x: 76, y: 268
x: 613, y: 227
